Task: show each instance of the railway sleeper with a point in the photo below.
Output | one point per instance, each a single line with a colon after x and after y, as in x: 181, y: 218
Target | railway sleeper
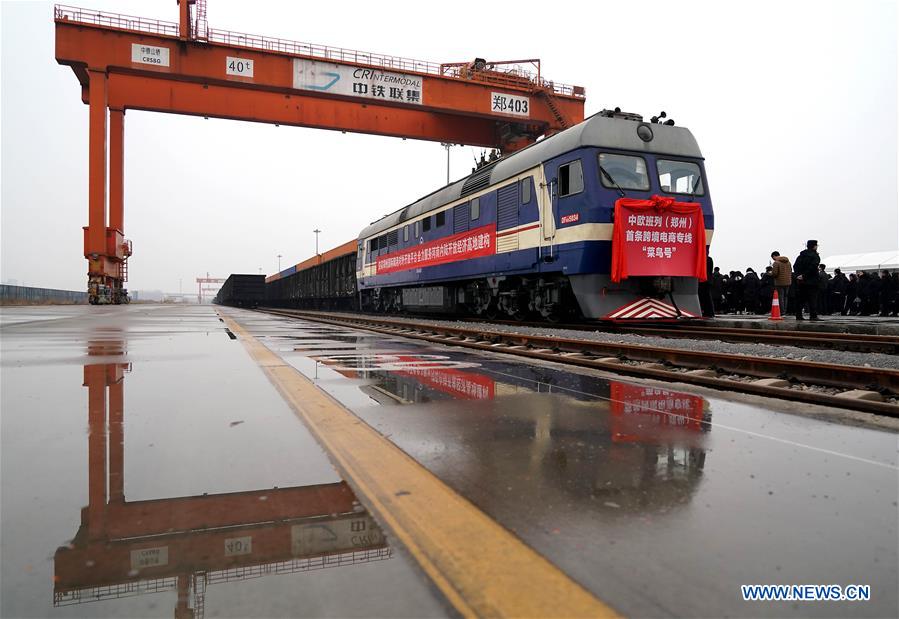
x: 730, y: 376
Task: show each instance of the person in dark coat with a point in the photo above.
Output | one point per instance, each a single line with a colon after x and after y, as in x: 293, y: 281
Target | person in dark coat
x: 766, y: 290
x: 837, y: 288
x: 895, y: 308
x: 706, y: 302
x: 866, y: 289
x: 823, y: 286
x: 805, y: 268
x: 875, y: 293
x: 735, y: 292
x: 725, y: 295
x: 886, y: 293
x: 751, y: 285
x: 853, y: 301
x: 717, y: 287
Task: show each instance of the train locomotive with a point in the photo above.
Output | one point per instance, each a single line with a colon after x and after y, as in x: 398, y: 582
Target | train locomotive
x: 534, y: 233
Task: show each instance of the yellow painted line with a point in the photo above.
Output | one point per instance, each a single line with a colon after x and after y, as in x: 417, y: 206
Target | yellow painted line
x: 480, y: 567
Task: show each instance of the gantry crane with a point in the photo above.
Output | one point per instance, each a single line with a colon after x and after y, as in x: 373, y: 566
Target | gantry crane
x: 124, y: 62
x: 208, y: 285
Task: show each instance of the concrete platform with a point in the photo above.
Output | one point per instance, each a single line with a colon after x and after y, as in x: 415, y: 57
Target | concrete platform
x: 870, y: 325
x: 149, y: 464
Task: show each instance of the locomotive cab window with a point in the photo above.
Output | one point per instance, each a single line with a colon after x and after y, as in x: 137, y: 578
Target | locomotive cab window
x: 571, y: 178
x: 475, y: 208
x: 680, y: 177
x: 626, y: 171
x: 441, y: 218
x: 426, y: 225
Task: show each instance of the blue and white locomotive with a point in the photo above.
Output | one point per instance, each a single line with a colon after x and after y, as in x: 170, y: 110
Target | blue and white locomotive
x: 532, y: 232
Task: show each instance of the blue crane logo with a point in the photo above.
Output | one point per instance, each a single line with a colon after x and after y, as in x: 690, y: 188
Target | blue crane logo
x: 335, y: 76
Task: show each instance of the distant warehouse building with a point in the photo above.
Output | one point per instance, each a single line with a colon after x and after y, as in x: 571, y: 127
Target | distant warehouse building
x: 871, y: 261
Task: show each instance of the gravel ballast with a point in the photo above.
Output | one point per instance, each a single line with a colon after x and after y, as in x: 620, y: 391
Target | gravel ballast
x: 838, y: 357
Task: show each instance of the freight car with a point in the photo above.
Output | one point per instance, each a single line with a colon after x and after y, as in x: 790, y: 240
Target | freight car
x: 326, y: 282
x: 241, y: 291
x: 607, y: 220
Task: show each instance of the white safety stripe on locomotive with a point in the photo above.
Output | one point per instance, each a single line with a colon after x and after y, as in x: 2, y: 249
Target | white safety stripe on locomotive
x: 648, y: 308
x: 529, y: 238
x: 529, y: 234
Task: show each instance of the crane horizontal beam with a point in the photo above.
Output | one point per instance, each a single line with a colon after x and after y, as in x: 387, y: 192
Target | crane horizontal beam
x: 163, y: 74
x: 215, y: 101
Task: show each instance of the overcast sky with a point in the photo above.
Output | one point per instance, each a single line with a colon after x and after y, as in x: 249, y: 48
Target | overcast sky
x: 793, y: 105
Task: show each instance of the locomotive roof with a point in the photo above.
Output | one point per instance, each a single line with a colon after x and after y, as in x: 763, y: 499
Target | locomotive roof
x: 598, y: 131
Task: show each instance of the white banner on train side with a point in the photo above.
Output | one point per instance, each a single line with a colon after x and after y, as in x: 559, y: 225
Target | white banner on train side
x: 363, y: 82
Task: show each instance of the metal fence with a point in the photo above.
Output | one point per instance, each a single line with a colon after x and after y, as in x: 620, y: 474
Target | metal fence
x: 25, y: 295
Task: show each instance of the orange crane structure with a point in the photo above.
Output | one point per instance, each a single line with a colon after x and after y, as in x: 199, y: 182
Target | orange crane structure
x: 124, y: 62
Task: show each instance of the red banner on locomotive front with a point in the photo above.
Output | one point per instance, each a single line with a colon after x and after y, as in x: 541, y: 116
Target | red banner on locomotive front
x: 656, y: 237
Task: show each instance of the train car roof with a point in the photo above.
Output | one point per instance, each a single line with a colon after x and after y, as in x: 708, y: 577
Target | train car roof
x: 598, y: 131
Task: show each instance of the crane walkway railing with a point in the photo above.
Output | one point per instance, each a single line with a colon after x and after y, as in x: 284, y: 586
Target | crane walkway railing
x: 512, y: 78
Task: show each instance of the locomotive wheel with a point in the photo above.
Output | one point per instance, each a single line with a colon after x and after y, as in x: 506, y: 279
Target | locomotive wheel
x: 491, y: 312
x: 551, y: 315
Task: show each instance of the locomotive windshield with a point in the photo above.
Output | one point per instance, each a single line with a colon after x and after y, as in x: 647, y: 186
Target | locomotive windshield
x: 625, y: 171
x: 680, y: 177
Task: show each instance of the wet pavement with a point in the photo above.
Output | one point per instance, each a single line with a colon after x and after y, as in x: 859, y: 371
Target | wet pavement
x: 150, y: 469
x: 660, y: 501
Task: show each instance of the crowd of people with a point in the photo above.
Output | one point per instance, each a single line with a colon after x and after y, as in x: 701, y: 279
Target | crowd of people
x: 802, y: 285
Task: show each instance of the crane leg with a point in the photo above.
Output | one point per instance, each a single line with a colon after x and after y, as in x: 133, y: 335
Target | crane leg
x: 116, y: 245
x: 104, y: 247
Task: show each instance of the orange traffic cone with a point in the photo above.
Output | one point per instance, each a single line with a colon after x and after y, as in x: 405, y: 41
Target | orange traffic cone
x: 775, y: 308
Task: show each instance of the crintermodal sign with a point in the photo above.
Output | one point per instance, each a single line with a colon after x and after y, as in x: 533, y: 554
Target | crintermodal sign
x: 462, y: 246
x: 352, y: 81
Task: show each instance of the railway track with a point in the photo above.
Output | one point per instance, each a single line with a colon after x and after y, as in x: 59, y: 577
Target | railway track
x: 855, y: 342
x: 872, y: 390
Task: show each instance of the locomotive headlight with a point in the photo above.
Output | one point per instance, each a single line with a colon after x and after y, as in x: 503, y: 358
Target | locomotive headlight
x: 663, y: 284
x: 644, y: 132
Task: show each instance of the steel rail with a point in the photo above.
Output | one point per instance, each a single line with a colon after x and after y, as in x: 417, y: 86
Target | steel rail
x: 829, y: 340
x: 857, y: 342
x: 662, y: 362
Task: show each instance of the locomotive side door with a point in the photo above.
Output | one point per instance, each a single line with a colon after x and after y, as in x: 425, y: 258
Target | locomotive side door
x: 545, y: 199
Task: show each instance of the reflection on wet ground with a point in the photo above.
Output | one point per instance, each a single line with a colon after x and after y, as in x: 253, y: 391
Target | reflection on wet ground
x: 186, y: 543
x: 226, y: 489
x: 659, y: 501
